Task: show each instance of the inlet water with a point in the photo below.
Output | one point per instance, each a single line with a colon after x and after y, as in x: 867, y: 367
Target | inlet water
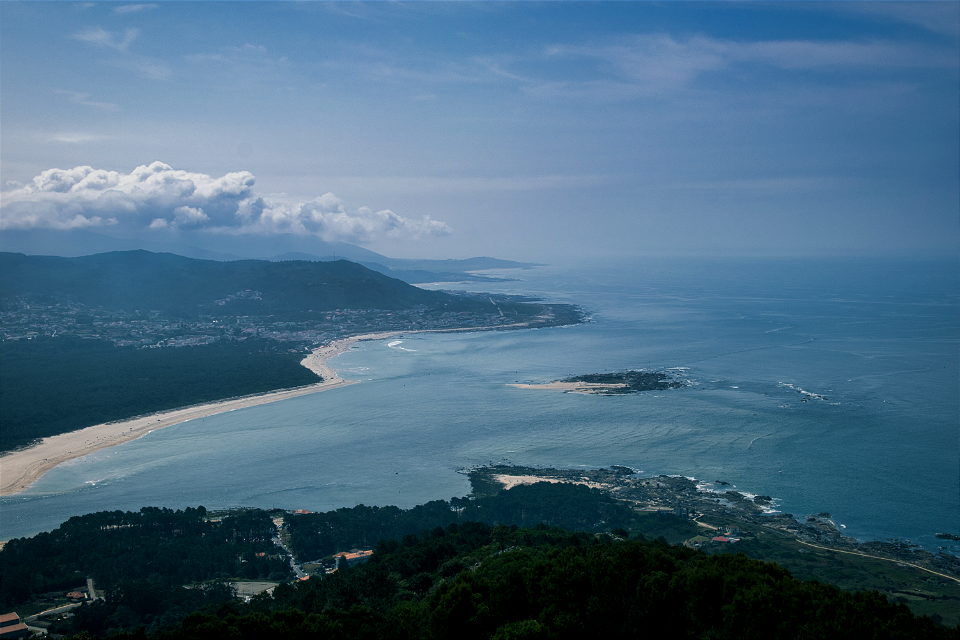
x: 829, y: 385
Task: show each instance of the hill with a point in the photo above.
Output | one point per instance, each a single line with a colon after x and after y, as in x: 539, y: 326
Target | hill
x: 101, y: 337
x: 185, y: 287
x: 435, y: 572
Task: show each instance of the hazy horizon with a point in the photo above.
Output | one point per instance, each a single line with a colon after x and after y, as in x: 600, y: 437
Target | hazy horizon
x: 532, y: 132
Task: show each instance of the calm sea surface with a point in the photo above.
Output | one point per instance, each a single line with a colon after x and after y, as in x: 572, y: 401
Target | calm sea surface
x: 829, y: 385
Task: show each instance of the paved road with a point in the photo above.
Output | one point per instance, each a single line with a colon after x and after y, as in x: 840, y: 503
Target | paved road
x: 297, y: 570
x: 91, y: 590
x: 66, y: 607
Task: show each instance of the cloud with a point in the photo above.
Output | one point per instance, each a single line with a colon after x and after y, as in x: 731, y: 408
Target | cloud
x: 938, y: 17
x: 146, y: 67
x: 134, y: 8
x: 656, y: 63
x: 156, y: 196
x: 103, y: 38
x: 81, y: 98
x: 75, y: 138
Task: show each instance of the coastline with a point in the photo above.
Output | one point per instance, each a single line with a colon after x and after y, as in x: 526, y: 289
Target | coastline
x: 694, y: 500
x: 20, y: 469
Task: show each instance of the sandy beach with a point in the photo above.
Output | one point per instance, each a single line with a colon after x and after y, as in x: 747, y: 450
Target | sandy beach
x: 20, y: 469
x: 509, y: 482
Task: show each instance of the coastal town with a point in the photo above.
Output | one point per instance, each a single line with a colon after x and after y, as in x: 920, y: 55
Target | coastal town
x: 26, y: 319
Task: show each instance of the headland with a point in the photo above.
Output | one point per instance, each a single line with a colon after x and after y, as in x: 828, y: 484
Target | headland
x: 717, y: 509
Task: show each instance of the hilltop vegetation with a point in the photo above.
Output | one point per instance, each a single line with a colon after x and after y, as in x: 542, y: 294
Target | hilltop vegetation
x: 181, y: 287
x: 157, y: 546
x: 436, y: 572
x: 474, y: 581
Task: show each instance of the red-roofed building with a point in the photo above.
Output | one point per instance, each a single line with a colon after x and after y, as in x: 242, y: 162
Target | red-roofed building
x: 11, y: 627
x: 354, y: 557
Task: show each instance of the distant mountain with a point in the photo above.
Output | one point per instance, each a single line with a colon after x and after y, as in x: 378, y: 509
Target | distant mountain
x: 411, y: 276
x: 183, y: 287
x: 79, y: 242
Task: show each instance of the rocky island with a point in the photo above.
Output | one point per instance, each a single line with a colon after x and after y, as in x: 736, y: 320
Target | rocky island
x: 617, y: 383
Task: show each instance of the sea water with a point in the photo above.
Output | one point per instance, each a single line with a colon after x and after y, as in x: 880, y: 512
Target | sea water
x: 828, y: 385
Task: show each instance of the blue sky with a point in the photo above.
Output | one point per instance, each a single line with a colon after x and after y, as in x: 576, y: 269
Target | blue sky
x: 520, y: 130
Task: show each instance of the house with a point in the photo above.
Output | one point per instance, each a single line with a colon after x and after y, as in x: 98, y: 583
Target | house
x: 11, y: 627
x: 355, y: 557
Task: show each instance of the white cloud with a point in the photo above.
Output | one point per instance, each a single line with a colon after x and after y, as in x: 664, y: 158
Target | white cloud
x: 151, y: 68
x: 74, y: 138
x: 157, y: 196
x: 81, y: 98
x: 655, y: 63
x: 103, y: 38
x: 146, y: 67
x: 938, y: 17
x: 134, y: 8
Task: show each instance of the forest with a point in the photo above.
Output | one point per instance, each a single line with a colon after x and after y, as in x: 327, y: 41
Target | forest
x: 156, y: 545
x: 437, y: 571
x: 571, y: 506
x: 477, y: 581
x: 55, y: 385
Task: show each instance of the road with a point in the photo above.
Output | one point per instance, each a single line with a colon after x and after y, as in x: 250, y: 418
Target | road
x: 297, y: 570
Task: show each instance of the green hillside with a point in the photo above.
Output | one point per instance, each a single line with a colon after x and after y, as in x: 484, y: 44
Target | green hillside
x: 184, y: 287
x: 464, y: 569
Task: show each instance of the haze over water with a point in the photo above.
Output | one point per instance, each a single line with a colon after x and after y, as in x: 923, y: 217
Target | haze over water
x: 828, y: 385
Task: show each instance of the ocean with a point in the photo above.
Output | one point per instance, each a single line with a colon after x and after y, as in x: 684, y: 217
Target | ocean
x: 830, y: 385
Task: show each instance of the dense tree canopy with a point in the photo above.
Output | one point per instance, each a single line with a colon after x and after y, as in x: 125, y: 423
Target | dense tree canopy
x: 477, y: 581
x: 165, y: 547
x: 55, y: 385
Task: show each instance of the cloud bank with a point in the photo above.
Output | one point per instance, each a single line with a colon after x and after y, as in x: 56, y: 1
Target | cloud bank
x: 158, y: 197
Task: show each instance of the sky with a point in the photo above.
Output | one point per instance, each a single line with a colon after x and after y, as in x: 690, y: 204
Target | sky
x: 526, y: 131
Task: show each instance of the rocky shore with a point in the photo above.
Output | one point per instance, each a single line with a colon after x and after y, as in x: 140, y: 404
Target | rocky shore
x: 687, y: 498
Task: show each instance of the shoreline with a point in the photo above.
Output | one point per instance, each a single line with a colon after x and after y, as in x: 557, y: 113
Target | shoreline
x: 691, y: 500
x: 20, y: 469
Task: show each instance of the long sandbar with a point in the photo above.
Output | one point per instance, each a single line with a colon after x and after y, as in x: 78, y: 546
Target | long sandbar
x: 19, y: 469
